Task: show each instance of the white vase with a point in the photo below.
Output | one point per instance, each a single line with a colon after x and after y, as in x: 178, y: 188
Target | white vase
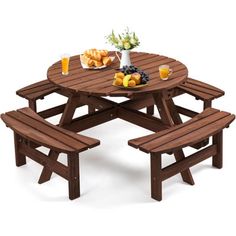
x: 125, y: 58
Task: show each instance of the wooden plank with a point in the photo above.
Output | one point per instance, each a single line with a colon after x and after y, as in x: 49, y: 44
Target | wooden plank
x: 186, y: 112
x: 19, y: 157
x: 156, y: 182
x: 197, y: 135
x: 188, y: 162
x: 144, y: 120
x: 206, y: 104
x: 155, y: 84
x: 162, y: 107
x: 46, y: 172
x: 48, y: 130
x: 106, y: 81
x: 42, y: 159
x: 138, y: 103
x: 91, y: 142
x: 96, y: 102
x: 33, y: 105
x: 185, y: 130
x: 88, y: 73
x: 102, y: 80
x: 73, y: 181
x: 196, y: 93
x: 52, y: 111
x: 55, y: 70
x: 217, y: 159
x: 201, y: 89
x: 204, y: 85
x: 29, y: 87
x: 39, y: 89
x: 142, y: 140
x: 36, y: 136
x: 91, y: 120
x: 41, y: 94
x: 71, y: 105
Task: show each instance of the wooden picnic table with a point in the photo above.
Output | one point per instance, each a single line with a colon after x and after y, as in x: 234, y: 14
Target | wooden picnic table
x: 92, y: 87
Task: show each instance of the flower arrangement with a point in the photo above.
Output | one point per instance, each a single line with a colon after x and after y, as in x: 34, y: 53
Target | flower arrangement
x: 124, y: 41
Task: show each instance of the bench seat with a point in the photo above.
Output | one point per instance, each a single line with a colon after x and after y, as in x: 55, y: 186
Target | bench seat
x: 41, y: 89
x: 31, y: 131
x: 209, y: 123
x: 37, y: 90
x: 201, y: 90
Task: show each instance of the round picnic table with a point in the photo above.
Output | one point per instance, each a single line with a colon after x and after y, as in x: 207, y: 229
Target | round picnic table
x: 99, y: 82
x: 91, y: 87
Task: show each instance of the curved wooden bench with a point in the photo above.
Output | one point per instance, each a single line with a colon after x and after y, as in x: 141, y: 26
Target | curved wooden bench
x: 199, y: 90
x: 209, y: 123
x: 29, y: 129
x: 41, y: 89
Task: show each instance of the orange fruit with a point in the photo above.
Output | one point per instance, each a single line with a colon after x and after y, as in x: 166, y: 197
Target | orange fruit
x: 132, y: 83
x: 118, y: 81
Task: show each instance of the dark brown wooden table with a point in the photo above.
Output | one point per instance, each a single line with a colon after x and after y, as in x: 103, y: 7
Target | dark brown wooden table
x: 90, y: 87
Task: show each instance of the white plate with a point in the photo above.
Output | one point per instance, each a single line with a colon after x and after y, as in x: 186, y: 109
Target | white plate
x: 93, y: 67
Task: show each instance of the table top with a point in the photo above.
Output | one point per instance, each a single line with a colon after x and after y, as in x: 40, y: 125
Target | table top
x: 99, y: 82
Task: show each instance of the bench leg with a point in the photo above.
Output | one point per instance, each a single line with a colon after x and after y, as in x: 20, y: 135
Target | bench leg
x: 19, y: 158
x: 156, y: 182
x: 207, y: 104
x: 91, y: 109
x: 74, y: 182
x: 150, y: 110
x: 217, y: 160
x: 47, y: 173
x: 186, y: 174
x: 32, y: 105
x: 179, y: 155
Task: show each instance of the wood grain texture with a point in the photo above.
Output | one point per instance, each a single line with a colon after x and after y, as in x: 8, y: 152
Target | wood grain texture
x: 204, y: 125
x: 37, y: 90
x: 201, y: 90
x: 99, y: 82
x: 32, y: 127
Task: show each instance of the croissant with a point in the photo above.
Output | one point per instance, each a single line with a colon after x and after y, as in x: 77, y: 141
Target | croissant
x: 97, y: 58
x: 106, y: 61
x: 97, y: 63
x: 103, y: 53
x: 86, y: 60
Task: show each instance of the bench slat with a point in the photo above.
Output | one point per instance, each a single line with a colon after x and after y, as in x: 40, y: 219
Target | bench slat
x: 204, y: 85
x: 41, y: 132
x: 197, y: 135
x: 34, y: 135
x: 91, y: 142
x: 201, y: 90
x: 142, y: 140
x: 37, y: 90
x: 46, y: 130
x: 207, y: 91
x: 202, y: 126
x: 184, y: 130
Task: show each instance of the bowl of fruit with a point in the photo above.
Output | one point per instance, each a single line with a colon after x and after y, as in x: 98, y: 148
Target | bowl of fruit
x: 130, y: 77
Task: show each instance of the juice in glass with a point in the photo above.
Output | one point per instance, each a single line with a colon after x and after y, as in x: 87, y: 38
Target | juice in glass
x: 65, y: 59
x: 165, y: 72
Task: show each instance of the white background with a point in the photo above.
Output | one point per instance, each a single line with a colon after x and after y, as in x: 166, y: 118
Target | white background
x: 115, y: 184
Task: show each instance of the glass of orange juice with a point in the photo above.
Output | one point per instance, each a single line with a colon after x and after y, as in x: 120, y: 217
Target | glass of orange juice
x: 65, y: 59
x: 165, y: 72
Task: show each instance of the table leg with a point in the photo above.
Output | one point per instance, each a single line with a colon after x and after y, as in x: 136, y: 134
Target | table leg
x: 71, y: 105
x: 170, y: 116
x: 69, y: 111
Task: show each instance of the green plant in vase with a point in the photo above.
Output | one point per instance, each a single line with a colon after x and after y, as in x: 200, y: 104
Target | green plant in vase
x: 124, y: 42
